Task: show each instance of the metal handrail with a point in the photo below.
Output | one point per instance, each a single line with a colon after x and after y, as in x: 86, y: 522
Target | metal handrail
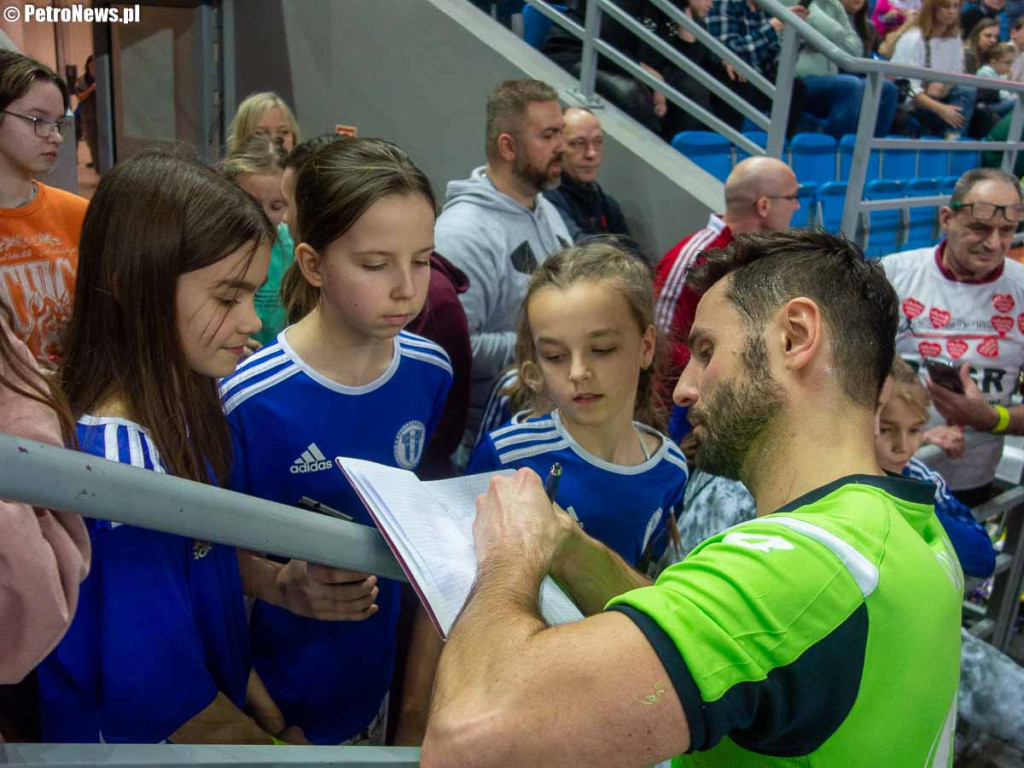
x: 88, y: 485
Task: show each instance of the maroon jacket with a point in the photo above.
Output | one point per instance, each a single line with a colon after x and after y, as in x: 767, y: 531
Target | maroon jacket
x: 443, y: 321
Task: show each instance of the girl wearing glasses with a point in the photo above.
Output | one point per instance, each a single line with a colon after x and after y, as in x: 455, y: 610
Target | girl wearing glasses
x: 41, y: 224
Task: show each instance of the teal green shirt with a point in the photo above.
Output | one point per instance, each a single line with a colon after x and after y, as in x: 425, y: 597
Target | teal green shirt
x: 824, y: 635
x: 268, y: 298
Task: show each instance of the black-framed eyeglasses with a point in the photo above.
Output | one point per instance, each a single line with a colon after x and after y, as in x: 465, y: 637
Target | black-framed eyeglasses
x: 43, y: 127
x: 794, y: 198
x: 1013, y: 213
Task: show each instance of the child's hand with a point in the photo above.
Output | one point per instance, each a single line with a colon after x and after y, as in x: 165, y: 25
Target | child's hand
x: 328, y: 594
x: 251, y: 345
x: 294, y: 735
x: 949, y: 439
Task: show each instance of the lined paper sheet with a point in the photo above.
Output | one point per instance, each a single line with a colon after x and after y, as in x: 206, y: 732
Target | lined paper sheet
x: 429, y: 526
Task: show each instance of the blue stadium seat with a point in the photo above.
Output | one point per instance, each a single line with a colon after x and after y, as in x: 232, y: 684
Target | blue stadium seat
x: 709, y: 150
x: 805, y: 214
x: 962, y: 162
x: 758, y: 137
x: 813, y: 158
x: 932, y: 163
x: 883, y: 226
x: 946, y: 184
x: 831, y: 197
x: 536, y: 25
x: 846, y: 145
x: 899, y: 164
x: 922, y: 220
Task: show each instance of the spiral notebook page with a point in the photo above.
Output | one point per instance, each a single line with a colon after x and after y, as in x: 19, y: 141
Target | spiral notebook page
x: 429, y: 526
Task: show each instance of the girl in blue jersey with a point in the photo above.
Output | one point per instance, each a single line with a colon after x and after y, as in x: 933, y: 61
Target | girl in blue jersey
x: 587, y: 345
x: 171, y: 256
x: 344, y: 380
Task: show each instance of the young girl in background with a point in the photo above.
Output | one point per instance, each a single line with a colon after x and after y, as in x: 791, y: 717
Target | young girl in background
x: 345, y: 380
x: 159, y: 648
x: 258, y: 168
x: 264, y: 113
x: 587, y: 345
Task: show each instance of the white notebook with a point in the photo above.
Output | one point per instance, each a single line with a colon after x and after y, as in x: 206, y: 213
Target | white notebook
x: 429, y: 527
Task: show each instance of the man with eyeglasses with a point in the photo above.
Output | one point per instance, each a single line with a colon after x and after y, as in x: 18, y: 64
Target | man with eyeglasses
x: 586, y: 208
x: 40, y: 226
x: 761, y: 195
x: 962, y: 303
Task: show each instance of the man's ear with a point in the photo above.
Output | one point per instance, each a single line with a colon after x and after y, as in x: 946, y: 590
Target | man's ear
x: 800, y: 329
x: 507, y: 147
x: 945, y: 214
x: 761, y: 206
x: 310, y: 264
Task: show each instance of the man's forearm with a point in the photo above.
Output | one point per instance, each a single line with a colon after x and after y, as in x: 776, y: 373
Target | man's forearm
x: 593, y: 574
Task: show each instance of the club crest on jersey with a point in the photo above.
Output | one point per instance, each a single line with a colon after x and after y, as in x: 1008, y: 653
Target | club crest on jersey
x: 409, y: 444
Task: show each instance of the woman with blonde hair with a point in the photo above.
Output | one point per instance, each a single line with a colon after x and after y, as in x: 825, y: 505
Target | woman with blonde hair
x: 933, y: 41
x: 264, y: 113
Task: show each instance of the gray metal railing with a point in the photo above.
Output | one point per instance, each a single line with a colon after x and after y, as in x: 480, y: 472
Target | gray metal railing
x: 796, y: 32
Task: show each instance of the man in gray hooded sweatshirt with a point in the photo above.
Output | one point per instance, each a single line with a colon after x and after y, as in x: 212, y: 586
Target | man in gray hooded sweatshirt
x: 496, y: 227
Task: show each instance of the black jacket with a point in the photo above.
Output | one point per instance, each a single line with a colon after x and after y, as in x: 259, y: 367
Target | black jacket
x: 587, y: 209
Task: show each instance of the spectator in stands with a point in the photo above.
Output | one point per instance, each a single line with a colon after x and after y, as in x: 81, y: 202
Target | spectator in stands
x: 643, y: 104
x: 85, y: 89
x: 44, y: 555
x: 890, y: 15
x: 832, y: 96
x: 1017, y: 38
x: 857, y: 13
x: 264, y: 113
x: 774, y: 369
x: 497, y: 227
x: 41, y: 225
x: 933, y: 41
x: 684, y: 41
x: 760, y: 196
x: 985, y: 9
x: 968, y: 284
x: 994, y: 158
x: 998, y: 63
x: 979, y: 42
x: 753, y: 35
x: 586, y: 208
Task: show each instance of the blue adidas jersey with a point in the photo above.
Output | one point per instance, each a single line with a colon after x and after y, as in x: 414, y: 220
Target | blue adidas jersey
x: 497, y: 411
x: 968, y: 537
x: 160, y: 626
x: 289, y: 423
x: 624, y: 507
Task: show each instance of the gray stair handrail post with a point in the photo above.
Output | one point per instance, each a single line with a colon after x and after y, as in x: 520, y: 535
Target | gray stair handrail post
x: 58, y: 478
x: 588, y: 62
x: 861, y: 153
x: 1016, y: 127
x: 783, y: 92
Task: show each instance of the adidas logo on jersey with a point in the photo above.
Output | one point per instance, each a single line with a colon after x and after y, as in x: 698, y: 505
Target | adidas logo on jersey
x: 311, y: 460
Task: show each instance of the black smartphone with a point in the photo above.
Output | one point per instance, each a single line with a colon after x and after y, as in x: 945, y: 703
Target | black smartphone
x: 945, y: 375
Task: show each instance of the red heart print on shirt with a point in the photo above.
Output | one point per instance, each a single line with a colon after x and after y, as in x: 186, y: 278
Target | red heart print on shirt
x: 912, y: 308
x: 1003, y: 302
x: 1002, y: 323
x: 939, y: 317
x: 930, y: 349
x: 956, y: 348
x: 989, y: 348
x: 1020, y: 322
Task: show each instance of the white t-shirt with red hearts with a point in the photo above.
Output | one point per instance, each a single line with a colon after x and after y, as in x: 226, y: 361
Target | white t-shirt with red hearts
x: 977, y: 323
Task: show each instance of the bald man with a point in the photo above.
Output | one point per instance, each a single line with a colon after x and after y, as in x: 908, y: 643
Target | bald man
x: 586, y: 208
x: 760, y: 196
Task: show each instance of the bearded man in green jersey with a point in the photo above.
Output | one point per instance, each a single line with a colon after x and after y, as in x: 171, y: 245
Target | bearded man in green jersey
x: 824, y: 633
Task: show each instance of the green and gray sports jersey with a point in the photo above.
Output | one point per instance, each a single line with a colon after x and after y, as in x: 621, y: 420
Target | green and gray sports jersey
x: 826, y: 634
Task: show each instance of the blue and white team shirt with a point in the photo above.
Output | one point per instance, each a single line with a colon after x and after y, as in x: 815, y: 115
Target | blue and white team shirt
x: 289, y: 423
x: 627, y: 508
x: 160, y: 627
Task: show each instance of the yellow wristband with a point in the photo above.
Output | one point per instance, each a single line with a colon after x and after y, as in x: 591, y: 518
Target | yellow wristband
x: 278, y: 741
x: 1004, y: 420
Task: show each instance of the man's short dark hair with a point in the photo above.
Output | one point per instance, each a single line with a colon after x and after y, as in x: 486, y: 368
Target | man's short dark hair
x: 976, y: 176
x: 1018, y: 23
x: 507, y: 105
x: 857, y: 302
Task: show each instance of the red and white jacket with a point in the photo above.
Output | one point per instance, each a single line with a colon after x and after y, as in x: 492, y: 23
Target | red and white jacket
x: 980, y: 323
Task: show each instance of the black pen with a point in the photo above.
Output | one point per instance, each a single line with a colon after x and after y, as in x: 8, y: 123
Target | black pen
x: 551, y: 484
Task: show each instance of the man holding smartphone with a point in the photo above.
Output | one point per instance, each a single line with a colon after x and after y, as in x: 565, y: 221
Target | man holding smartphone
x: 962, y: 303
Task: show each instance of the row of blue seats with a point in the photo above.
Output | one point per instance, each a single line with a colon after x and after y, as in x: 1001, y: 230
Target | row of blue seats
x: 888, y: 231
x: 817, y: 158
